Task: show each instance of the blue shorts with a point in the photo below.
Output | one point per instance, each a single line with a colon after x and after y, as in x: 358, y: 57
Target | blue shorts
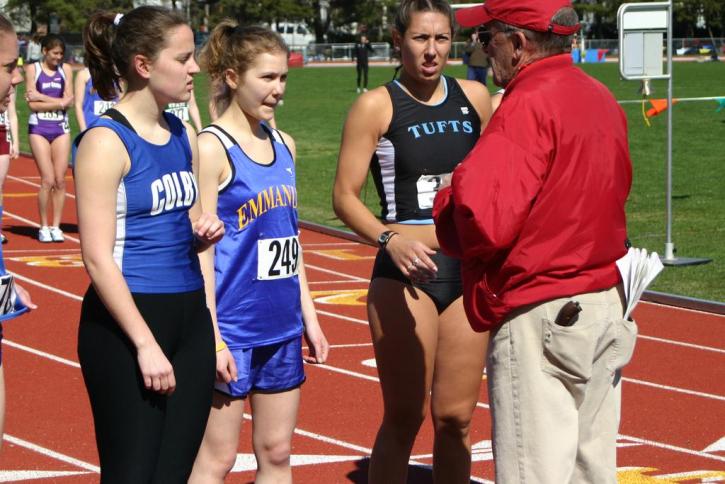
x: 274, y: 368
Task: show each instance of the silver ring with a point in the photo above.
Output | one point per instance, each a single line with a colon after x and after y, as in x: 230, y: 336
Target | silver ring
x: 411, y: 267
x: 415, y: 261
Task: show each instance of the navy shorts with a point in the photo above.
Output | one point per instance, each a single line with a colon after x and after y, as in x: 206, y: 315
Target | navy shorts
x: 273, y: 368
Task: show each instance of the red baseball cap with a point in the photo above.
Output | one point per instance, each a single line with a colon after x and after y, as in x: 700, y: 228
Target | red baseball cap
x: 526, y: 14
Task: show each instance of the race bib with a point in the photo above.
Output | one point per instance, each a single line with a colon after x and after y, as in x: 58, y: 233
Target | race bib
x: 278, y: 258
x: 101, y: 106
x: 180, y: 110
x: 428, y: 186
x: 52, y: 116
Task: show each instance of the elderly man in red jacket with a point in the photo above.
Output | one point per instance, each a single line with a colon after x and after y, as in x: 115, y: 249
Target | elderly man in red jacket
x: 536, y: 213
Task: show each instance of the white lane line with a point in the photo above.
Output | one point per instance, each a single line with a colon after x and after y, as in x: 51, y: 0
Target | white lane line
x: 363, y: 376
x: 340, y: 316
x: 37, y: 225
x: 364, y: 450
x: 367, y: 377
x: 675, y: 389
x: 52, y: 454
x: 355, y: 345
x: 51, y: 250
x: 50, y: 356
x: 329, y: 244
x: 334, y: 282
x: 45, y: 286
x: 36, y: 185
x: 341, y: 274
x: 680, y: 343
x: 679, y: 99
x: 674, y: 448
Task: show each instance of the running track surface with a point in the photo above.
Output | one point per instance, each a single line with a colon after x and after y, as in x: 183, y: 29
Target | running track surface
x: 673, y: 418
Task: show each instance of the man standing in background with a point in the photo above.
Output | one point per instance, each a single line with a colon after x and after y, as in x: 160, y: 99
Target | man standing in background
x: 360, y: 52
x: 477, y: 60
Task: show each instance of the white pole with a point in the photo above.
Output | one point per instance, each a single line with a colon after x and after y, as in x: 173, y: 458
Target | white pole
x: 669, y: 245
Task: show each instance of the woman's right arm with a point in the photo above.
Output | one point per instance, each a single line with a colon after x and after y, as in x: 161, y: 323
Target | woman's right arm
x: 96, y: 187
x: 366, y: 122
x: 80, y: 93
x: 213, y: 168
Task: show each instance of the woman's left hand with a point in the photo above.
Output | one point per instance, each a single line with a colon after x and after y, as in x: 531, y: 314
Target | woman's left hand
x: 208, y: 228
x: 318, y: 347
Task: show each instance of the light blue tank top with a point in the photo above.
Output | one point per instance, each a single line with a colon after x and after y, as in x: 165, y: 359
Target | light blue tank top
x: 154, y: 245
x: 257, y: 261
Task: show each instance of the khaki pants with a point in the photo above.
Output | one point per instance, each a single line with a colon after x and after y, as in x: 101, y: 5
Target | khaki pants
x: 555, y: 391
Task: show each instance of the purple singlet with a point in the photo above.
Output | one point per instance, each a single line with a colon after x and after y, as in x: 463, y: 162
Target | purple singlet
x: 49, y: 124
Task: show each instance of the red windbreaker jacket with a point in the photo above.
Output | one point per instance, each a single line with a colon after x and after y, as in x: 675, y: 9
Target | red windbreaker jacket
x: 536, y: 210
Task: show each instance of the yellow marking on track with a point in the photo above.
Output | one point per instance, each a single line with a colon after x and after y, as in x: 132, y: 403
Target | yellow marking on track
x: 342, y: 297
x: 341, y: 254
x: 72, y: 260
x: 647, y: 475
x: 20, y: 194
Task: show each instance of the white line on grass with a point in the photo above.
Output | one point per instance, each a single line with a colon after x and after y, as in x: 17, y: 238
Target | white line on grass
x: 679, y: 99
x: 51, y: 453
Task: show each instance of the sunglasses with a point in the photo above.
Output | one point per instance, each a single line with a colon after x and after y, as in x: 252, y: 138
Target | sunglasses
x: 485, y: 36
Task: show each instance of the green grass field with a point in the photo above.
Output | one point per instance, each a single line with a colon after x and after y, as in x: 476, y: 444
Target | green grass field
x: 317, y: 101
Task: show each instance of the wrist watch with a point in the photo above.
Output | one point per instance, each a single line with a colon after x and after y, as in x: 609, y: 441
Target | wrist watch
x: 385, y: 237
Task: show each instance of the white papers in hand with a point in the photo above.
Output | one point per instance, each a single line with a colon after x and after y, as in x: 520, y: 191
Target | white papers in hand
x: 638, y: 270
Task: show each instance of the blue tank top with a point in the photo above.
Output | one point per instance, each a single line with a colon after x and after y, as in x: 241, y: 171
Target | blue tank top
x: 256, y: 263
x: 154, y: 245
x: 93, y: 105
x: 53, y: 86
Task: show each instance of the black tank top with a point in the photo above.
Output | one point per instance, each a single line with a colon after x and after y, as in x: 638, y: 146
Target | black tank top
x: 422, y: 144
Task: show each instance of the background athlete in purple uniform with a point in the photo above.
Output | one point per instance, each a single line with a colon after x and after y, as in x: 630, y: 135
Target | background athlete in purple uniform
x: 49, y: 94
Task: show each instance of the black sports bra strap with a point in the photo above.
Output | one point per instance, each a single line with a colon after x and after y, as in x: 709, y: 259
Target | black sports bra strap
x: 116, y: 115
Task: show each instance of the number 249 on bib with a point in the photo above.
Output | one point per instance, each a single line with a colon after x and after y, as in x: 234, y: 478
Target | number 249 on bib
x: 278, y: 258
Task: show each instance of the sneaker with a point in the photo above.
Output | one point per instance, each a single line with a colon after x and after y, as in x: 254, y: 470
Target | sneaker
x: 365, y: 89
x: 56, y: 234
x: 358, y: 90
x: 44, y: 234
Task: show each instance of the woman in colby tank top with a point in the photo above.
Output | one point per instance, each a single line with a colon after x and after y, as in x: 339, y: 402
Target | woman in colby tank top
x: 145, y: 339
x: 49, y: 94
x: 410, y: 134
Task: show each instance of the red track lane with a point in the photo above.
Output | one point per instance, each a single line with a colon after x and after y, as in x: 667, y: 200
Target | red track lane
x: 673, y: 404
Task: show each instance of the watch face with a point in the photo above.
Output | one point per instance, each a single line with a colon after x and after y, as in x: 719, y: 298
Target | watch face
x: 383, y: 238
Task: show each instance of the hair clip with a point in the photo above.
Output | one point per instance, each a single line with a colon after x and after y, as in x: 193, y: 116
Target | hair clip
x: 117, y: 19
